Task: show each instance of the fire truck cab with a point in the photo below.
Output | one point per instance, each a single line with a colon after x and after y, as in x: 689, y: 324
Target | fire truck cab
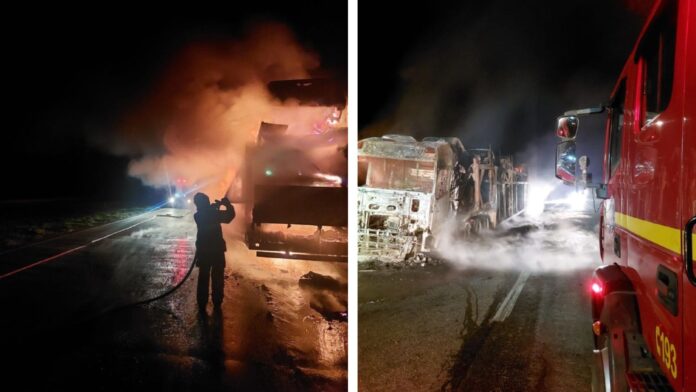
x: 644, y: 296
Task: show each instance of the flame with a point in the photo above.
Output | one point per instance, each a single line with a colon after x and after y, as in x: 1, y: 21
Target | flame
x: 330, y: 178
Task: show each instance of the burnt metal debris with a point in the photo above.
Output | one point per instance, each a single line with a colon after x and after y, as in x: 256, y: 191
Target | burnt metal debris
x: 295, y: 211
x: 410, y: 192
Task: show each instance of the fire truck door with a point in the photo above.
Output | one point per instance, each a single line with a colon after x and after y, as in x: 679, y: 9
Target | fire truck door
x: 655, y: 202
x: 688, y: 193
x: 688, y: 239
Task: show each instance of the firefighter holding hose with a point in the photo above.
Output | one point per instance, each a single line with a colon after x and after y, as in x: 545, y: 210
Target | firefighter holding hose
x: 210, y: 247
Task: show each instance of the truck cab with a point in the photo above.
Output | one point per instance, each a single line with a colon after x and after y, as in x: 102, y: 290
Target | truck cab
x: 404, y: 196
x: 644, y: 296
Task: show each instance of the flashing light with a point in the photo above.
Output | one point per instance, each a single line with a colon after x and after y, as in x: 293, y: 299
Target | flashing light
x: 188, y: 201
x: 171, y: 200
x: 268, y: 172
x: 597, y: 288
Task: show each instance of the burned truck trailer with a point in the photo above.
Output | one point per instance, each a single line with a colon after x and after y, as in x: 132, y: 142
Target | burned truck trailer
x: 294, y: 183
x: 410, y: 192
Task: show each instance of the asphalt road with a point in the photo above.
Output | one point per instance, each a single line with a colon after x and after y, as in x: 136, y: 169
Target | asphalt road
x: 510, y: 317
x: 270, y: 334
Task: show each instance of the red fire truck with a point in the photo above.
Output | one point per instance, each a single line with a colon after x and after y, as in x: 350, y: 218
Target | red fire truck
x: 644, y: 296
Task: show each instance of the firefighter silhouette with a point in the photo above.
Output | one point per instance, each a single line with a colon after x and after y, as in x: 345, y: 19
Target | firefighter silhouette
x: 210, y: 247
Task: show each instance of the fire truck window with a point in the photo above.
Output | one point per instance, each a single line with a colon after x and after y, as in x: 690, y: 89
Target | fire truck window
x: 617, y: 125
x: 657, y: 52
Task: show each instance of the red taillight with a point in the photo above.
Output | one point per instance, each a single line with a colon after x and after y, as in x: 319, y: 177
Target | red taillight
x: 597, y: 288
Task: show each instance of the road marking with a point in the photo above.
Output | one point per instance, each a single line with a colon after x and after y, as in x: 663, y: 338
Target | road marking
x: 46, y: 260
x: 508, y: 303
x: 12, y: 250
x: 122, y: 230
x: 67, y: 252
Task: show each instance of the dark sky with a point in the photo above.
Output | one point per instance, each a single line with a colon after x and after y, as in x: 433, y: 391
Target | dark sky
x: 67, y: 70
x: 491, y: 72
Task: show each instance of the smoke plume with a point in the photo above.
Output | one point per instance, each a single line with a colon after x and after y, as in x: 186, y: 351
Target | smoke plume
x: 207, y: 106
x: 497, y: 74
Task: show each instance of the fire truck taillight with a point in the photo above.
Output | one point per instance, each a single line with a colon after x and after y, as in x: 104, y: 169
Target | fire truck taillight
x: 597, y: 288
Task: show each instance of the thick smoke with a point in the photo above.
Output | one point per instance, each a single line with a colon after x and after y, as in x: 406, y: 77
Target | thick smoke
x: 498, y: 74
x: 208, y: 105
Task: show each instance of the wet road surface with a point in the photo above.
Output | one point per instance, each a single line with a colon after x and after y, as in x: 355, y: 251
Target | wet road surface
x: 268, y: 336
x: 463, y: 327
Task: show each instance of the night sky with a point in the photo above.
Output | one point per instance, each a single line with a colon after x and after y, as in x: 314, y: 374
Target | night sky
x: 490, y: 72
x: 69, y: 73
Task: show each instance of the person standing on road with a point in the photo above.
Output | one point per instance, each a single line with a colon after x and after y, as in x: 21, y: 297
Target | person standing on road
x: 210, y: 247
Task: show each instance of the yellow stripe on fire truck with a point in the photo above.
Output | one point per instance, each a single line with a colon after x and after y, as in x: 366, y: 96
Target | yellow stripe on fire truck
x: 665, y: 236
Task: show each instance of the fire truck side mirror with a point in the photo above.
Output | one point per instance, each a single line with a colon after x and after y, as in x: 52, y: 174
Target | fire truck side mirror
x: 567, y: 127
x: 601, y: 191
x: 566, y: 162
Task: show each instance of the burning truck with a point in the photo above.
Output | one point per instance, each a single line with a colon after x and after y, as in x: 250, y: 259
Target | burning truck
x: 409, y: 191
x: 294, y: 183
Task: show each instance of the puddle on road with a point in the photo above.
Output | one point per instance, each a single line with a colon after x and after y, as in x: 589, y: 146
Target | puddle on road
x: 303, y: 338
x: 269, y: 323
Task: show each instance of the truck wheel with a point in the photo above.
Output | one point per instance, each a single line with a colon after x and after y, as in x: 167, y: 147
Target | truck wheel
x: 466, y: 229
x: 475, y: 226
x: 482, y: 223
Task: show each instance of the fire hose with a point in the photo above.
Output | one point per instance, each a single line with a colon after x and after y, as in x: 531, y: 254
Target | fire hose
x: 116, y: 308
x: 145, y: 301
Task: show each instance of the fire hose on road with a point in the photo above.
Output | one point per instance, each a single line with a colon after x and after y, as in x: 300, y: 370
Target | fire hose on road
x: 111, y: 308
x: 145, y: 301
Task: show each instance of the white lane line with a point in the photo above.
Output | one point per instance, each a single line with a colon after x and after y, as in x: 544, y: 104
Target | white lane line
x: 50, y: 258
x: 134, y: 217
x: 122, y: 230
x: 508, y: 303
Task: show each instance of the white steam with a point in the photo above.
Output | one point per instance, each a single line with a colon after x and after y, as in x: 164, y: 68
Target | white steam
x: 558, y: 240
